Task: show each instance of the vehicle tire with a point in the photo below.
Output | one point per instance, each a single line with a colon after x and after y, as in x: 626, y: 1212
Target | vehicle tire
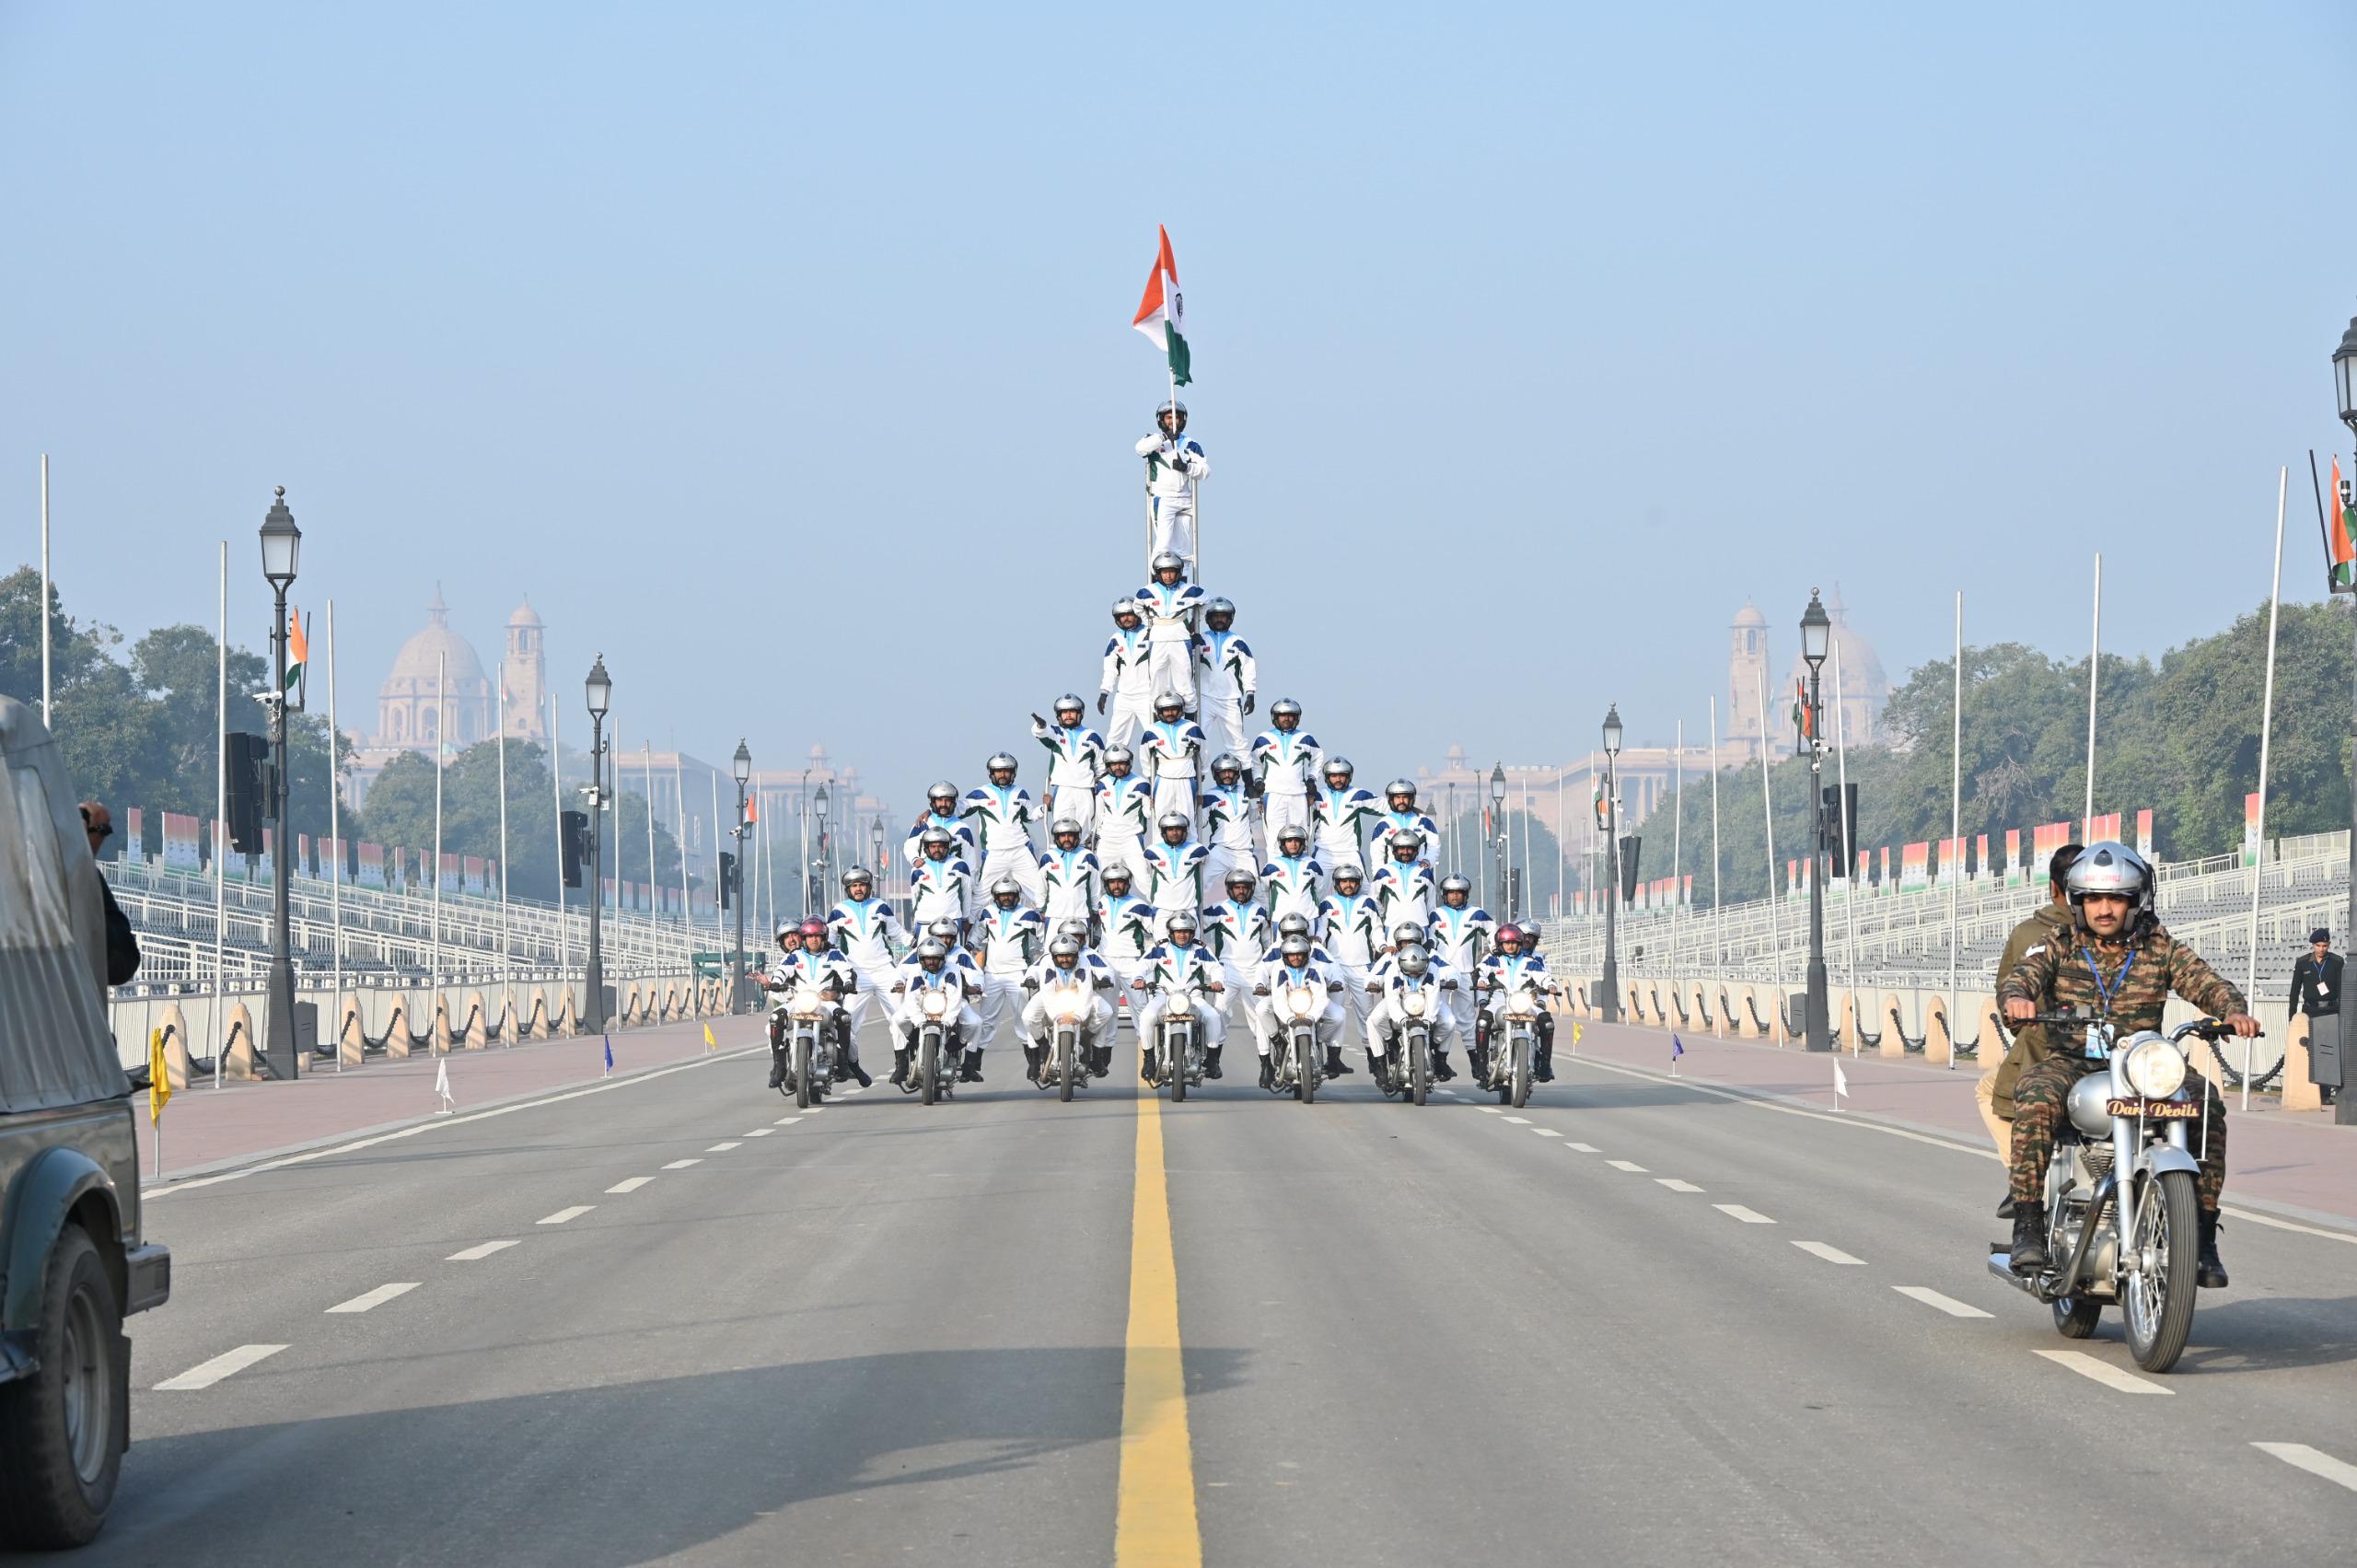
x: 2159, y: 1306
x: 1420, y: 1067
x: 803, y: 1090
x: 1306, y: 1085
x: 1519, y: 1088
x: 1176, y: 1062
x: 1064, y: 1054
x: 929, y: 1067
x: 62, y: 1428
x: 2076, y: 1316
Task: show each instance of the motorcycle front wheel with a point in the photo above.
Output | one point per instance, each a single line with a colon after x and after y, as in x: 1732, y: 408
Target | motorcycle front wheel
x: 802, y: 1091
x: 1065, y: 1053
x: 929, y: 1067
x: 1518, y: 1089
x: 2158, y: 1301
x: 1174, y: 1067
x: 1420, y: 1067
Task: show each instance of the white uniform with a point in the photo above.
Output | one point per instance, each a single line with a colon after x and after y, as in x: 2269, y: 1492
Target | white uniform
x: 1388, y: 1015
x: 1174, y: 875
x: 1346, y: 929
x: 1128, y: 677
x: 1069, y: 877
x: 1403, y: 894
x: 1227, y: 834
x: 1285, y: 760
x: 1238, y: 934
x: 1172, y: 467
x: 1226, y: 675
x: 1010, y: 941
x: 942, y: 890
x: 1124, y: 807
x: 1125, y: 926
x: 1075, y: 758
x: 1172, y: 612
x: 1458, y: 938
x: 864, y: 930
x: 961, y: 846
x: 829, y: 970
x: 1003, y: 815
x: 1512, y: 972
x: 1292, y: 884
x: 1095, y: 1029
x: 1389, y: 822
x: 910, y: 1013
x: 1171, y: 750
x: 1279, y: 977
x: 1337, y: 815
x: 1168, y: 968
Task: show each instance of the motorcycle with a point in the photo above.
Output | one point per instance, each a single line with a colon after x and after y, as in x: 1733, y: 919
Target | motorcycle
x: 1509, y: 1064
x: 806, y: 1028
x: 934, y: 1077
x: 1299, y: 1067
x: 1179, y: 1045
x: 1410, y: 1078
x: 1068, y: 1003
x: 2121, y: 1209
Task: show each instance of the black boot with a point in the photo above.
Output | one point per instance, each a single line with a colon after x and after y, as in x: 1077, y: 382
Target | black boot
x: 1442, y: 1071
x: 1268, y: 1073
x: 1542, y: 1066
x: 2208, y: 1271
x: 850, y: 1061
x: 777, y: 1071
x: 2029, y: 1254
x: 1210, y: 1061
x: 971, y: 1072
x: 1034, y: 1058
x: 2005, y: 1210
x: 900, y: 1067
x: 1101, y: 1061
x: 1335, y: 1066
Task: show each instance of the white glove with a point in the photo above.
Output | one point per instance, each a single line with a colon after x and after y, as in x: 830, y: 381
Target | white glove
x: 1146, y: 446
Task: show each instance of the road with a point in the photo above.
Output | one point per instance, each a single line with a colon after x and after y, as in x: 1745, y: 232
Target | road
x: 671, y: 1320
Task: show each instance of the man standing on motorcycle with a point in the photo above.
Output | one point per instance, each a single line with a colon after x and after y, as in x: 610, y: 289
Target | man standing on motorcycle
x: 2118, y: 961
x: 1295, y: 968
x: 1506, y: 971
x: 1172, y: 605
x: 1126, y: 678
x: 1075, y: 758
x: 1174, y: 866
x: 1124, y: 806
x: 1237, y: 932
x: 1414, y: 971
x: 1402, y: 817
x: 933, y: 972
x: 1403, y: 883
x: 1338, y: 813
x: 1007, y: 937
x: 863, y: 928
x: 1064, y: 967
x: 941, y: 884
x: 1002, y: 815
x: 1174, y: 462
x: 1228, y: 822
x: 1347, y: 929
x: 941, y: 801
x: 1125, y: 922
x: 1284, y: 759
x: 1458, y: 934
x: 1227, y: 677
x: 806, y: 960
x: 2050, y: 922
x: 1293, y: 878
x: 1069, y: 873
x: 1176, y: 964
x: 1171, y: 747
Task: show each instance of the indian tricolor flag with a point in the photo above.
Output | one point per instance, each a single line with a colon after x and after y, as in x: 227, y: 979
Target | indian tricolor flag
x: 1162, y: 315
x: 298, y: 649
x: 2340, y: 537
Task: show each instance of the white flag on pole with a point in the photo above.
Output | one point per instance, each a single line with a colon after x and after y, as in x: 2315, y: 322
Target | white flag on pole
x: 1841, y: 1086
x: 442, y: 1086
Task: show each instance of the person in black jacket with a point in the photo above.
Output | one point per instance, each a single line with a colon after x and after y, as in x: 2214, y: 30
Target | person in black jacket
x: 2316, y: 981
x: 123, y: 947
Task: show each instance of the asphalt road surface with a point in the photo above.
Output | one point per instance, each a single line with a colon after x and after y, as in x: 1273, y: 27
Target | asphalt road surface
x: 1639, y: 1322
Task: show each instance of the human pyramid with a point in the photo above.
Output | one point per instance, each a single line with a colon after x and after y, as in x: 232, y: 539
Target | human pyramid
x: 1226, y: 879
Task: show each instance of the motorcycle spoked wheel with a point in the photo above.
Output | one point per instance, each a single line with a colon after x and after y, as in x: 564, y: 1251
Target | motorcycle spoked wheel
x: 1305, y: 1082
x: 1518, y: 1087
x: 1067, y: 1051
x: 2157, y: 1303
x: 929, y: 1067
x: 1420, y: 1067
x: 804, y: 1091
x: 1174, y: 1068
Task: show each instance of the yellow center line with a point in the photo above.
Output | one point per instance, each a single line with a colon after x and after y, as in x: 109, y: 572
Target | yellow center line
x: 1154, y: 1524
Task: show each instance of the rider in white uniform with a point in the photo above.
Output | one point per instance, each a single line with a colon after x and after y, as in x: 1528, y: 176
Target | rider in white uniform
x: 941, y: 884
x: 930, y: 971
x: 1459, y: 934
x: 1284, y: 759
x: 1125, y: 809
x: 1125, y: 922
x: 1403, y: 883
x: 941, y: 802
x: 1174, y: 461
x: 1228, y: 822
x: 1068, y: 872
x: 1414, y: 970
x: 1002, y: 815
x: 1172, y: 605
x: 1400, y: 815
x: 865, y: 928
x: 1340, y: 813
x: 1347, y: 929
x: 1178, y: 963
x: 1237, y: 931
x: 1075, y: 758
x: 1064, y: 963
x: 1228, y: 679
x: 1171, y: 747
x: 1292, y: 877
x: 1293, y: 965
x: 806, y: 958
x: 1008, y: 935
x: 1127, y: 677
x: 1174, y: 866
x: 1510, y: 969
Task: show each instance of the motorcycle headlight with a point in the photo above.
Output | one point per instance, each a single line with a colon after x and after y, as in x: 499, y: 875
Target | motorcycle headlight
x: 936, y: 1004
x: 2154, y: 1067
x: 1069, y: 1007
x: 808, y: 1005
x: 1302, y: 1002
x: 1413, y: 1002
x: 1523, y: 1004
x: 1181, y: 1004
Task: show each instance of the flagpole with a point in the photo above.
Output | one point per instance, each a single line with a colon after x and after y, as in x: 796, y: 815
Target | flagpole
x: 1767, y: 810
x: 2095, y: 659
x: 720, y: 926
x: 1955, y: 812
x: 2266, y: 739
x: 556, y: 783
x: 687, y: 921
x: 506, y: 950
x: 1848, y: 850
x: 335, y: 832
x: 220, y: 813
x: 441, y: 744
x: 654, y: 883
x: 48, y: 721
x: 1677, y: 837
x: 1718, y: 905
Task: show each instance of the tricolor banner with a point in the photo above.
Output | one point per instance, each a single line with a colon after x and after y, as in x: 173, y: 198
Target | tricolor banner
x: 1161, y: 314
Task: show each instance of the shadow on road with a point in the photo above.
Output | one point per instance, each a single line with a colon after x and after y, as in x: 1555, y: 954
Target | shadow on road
x: 2271, y: 1333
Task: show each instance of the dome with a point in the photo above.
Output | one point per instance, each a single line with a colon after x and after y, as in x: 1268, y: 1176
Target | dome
x: 1748, y: 616
x: 524, y: 615
x: 462, y: 670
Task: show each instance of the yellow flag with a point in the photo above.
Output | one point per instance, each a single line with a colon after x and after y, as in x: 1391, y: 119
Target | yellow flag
x: 160, y: 1080
x: 1576, y: 1034
x: 710, y: 1043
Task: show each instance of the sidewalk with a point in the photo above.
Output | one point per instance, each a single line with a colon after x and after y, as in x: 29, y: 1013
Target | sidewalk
x: 2293, y: 1162
x: 205, y: 1129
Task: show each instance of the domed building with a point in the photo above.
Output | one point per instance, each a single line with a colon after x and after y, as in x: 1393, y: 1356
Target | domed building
x: 438, y: 692
x: 1865, y: 690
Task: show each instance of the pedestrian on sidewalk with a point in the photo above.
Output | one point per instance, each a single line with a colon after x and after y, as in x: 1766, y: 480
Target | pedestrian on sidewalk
x: 2316, y: 985
x: 1994, y: 1092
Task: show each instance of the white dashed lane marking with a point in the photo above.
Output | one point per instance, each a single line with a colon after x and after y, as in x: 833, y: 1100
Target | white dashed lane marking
x: 1584, y: 1148
x: 1737, y: 1212
x: 721, y: 1148
x: 2103, y: 1372
x: 369, y: 1300
x: 562, y: 1215
x: 630, y: 1184
x: 476, y: 1254
x: 1831, y: 1254
x: 785, y: 1120
x: 1674, y: 1185
x: 682, y: 1165
x: 1489, y: 1110
x: 2314, y: 1461
x: 1519, y: 1121
x: 761, y: 1131
x: 1546, y: 1132
x: 1626, y: 1165
x: 204, y: 1374
x: 1946, y: 1304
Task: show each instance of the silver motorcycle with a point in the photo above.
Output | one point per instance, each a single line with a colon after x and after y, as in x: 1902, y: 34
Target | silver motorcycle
x: 2121, y: 1203
x: 805, y: 1024
x: 1179, y: 1043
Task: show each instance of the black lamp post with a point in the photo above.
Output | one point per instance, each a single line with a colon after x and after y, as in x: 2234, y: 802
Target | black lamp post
x: 282, y: 544
x: 743, y: 768
x: 2344, y: 377
x: 1610, y: 1011
x: 821, y: 895
x: 1817, y: 637
x: 600, y: 688
x: 876, y: 837
x: 1498, y: 817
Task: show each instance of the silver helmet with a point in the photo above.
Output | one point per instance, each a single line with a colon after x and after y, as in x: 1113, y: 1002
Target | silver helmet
x: 944, y: 931
x: 1226, y: 762
x: 1118, y: 872
x: 933, y: 836
x: 1168, y: 699
x: 1169, y: 561
x: 1294, y: 948
x: 1061, y: 826
x: 1064, y: 948
x: 1120, y: 754
x: 1454, y: 884
x: 1400, y: 787
x: 1069, y: 703
x: 999, y: 762
x: 1414, y: 961
x: 1349, y: 871
x: 1407, y: 838
x: 1006, y: 887
x: 942, y: 789
x: 1078, y: 928
x: 1124, y: 607
x: 2109, y: 866
x: 1340, y: 765
x: 930, y: 949
x: 1241, y: 876
x: 1408, y: 932
x: 859, y: 873
x: 1177, y: 921
x: 1284, y: 707
x: 1170, y: 820
x: 1293, y: 925
x: 1172, y: 416
x: 1220, y: 607
x: 1292, y: 833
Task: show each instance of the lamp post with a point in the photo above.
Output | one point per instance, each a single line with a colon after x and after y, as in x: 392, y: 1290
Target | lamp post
x: 282, y: 544
x: 600, y: 688
x: 1498, y: 819
x: 876, y: 837
x: 1817, y: 637
x: 820, y: 861
x: 1610, y: 1012
x: 2344, y: 377
x: 744, y: 771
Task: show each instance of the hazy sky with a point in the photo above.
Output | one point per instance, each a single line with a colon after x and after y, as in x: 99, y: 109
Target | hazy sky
x: 782, y: 352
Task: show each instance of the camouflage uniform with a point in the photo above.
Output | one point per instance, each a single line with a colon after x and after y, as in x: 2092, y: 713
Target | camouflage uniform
x: 2050, y: 924
x: 2141, y: 974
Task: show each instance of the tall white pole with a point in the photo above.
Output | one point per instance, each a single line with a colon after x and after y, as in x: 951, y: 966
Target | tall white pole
x: 441, y: 744
x: 506, y: 950
x: 1767, y: 809
x: 335, y: 833
x: 1954, y: 869
x: 654, y: 883
x: 687, y: 921
x: 220, y: 815
x: 1718, y: 905
x: 556, y: 783
x: 719, y: 920
x: 1848, y: 850
x: 48, y: 722
x: 2266, y: 738
x: 1563, y: 850
x: 2095, y: 659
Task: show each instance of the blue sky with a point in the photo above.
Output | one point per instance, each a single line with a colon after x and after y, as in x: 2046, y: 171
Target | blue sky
x: 782, y: 351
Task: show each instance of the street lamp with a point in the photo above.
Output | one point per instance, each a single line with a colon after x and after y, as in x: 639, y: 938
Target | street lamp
x: 743, y: 768
x: 1610, y: 1012
x: 876, y: 837
x: 282, y: 544
x: 2344, y: 376
x: 600, y: 688
x: 1817, y: 637
x: 819, y: 811
x: 1498, y: 817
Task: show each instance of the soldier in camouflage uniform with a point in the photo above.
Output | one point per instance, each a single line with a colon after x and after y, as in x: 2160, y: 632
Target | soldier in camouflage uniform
x: 1994, y: 1093
x: 2117, y: 962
